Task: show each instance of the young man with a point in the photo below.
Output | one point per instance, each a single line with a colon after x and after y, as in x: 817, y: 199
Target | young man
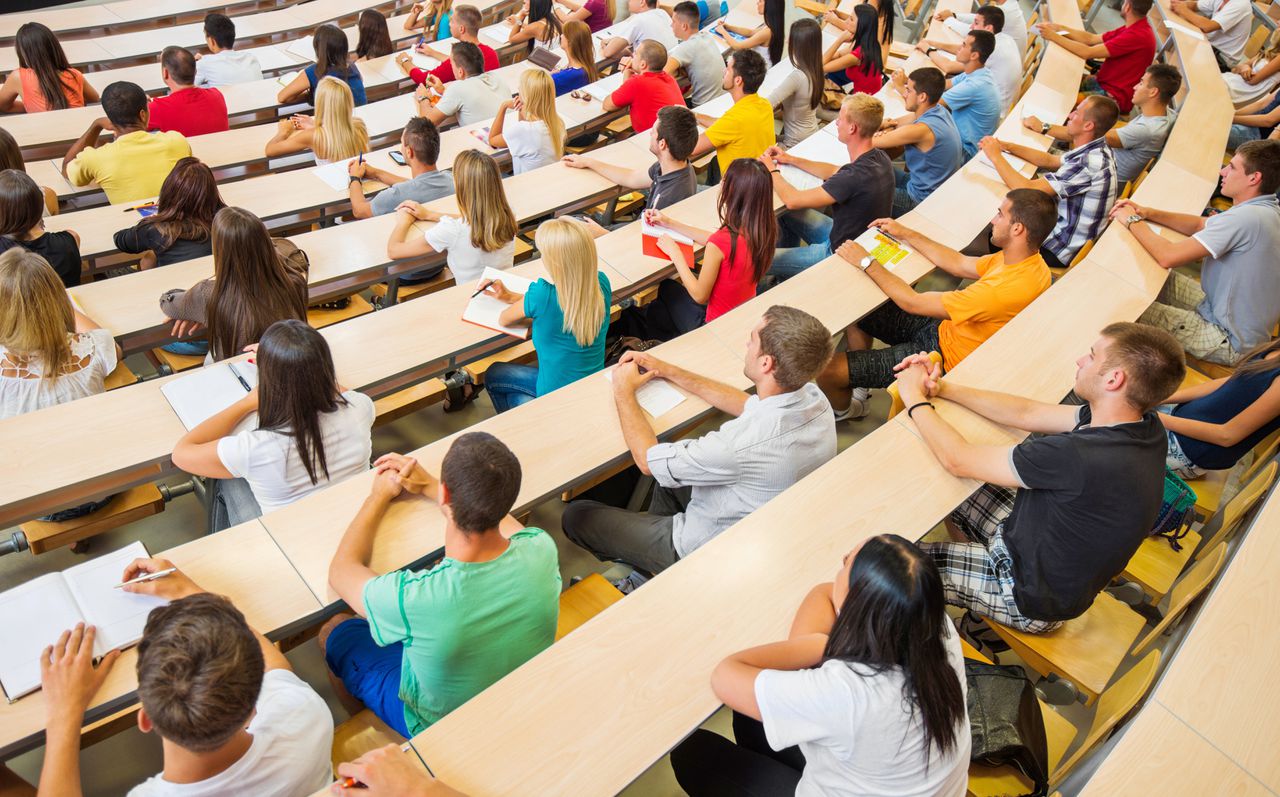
x: 135, y: 163
x: 464, y: 25
x: 1005, y: 62
x: 646, y: 22
x: 645, y: 87
x: 746, y: 129
x: 697, y: 55
x: 1015, y: 24
x: 188, y: 109
x: 232, y: 716
x: 1083, y: 178
x: 1236, y: 303
x: 972, y: 96
x: 927, y: 137
x: 1225, y: 23
x: 953, y: 323
x: 473, y: 96
x: 1136, y: 143
x: 1125, y: 51
x: 420, y: 145
x: 224, y: 66
x: 1060, y: 515
x: 857, y: 192
x: 704, y: 485
x: 426, y: 642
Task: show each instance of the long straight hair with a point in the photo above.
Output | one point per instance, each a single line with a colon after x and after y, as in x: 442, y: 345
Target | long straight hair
x: 482, y: 201
x: 805, y: 50
x: 39, y: 50
x: 775, y: 18
x: 544, y: 10
x: 375, y: 39
x: 867, y: 37
x: 296, y: 385
x: 189, y: 199
x: 339, y: 134
x: 892, y: 619
x: 576, y: 41
x: 538, y: 95
x: 10, y: 152
x: 884, y: 14
x: 332, y: 51
x: 745, y: 205
x: 1255, y: 359
x: 21, y: 204
x: 569, y: 253
x: 35, y: 311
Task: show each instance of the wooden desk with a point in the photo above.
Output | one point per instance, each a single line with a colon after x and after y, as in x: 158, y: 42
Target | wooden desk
x: 81, y: 21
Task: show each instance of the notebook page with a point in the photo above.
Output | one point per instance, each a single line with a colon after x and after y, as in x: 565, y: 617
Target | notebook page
x: 303, y: 48
x: 656, y: 397
x: 334, y: 175
x: 485, y: 310
x: 208, y: 391
x: 32, y: 617
x: 655, y: 231
x: 119, y: 616
x: 599, y: 90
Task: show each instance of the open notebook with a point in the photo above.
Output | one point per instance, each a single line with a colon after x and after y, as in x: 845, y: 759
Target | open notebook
x: 208, y: 391
x: 33, y: 615
x: 484, y: 310
x: 656, y: 397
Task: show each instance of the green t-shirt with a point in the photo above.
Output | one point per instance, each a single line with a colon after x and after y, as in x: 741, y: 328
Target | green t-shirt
x: 465, y: 625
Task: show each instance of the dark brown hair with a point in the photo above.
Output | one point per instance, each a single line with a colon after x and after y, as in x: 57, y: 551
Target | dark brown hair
x: 483, y: 480
x: 38, y: 50
x: 180, y: 63
x: 375, y: 39
x: 805, y: 49
x: 21, y: 203
x: 188, y: 202
x: 332, y: 49
x: 1152, y: 360
x: 798, y: 343
x: 746, y: 211
x: 10, y: 152
x: 1034, y: 210
x: 1263, y: 157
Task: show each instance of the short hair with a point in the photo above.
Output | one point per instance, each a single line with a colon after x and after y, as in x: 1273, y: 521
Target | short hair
x: 679, y: 128
x: 798, y: 343
x: 651, y: 3
x: 1141, y: 7
x: 688, y: 12
x: 749, y: 65
x: 483, y: 480
x: 221, y: 29
x: 423, y: 138
x: 929, y: 81
x: 468, y: 56
x: 1034, y: 210
x: 865, y: 111
x: 1263, y: 157
x: 984, y: 44
x: 993, y: 16
x: 1152, y: 360
x: 200, y: 671
x: 1167, y: 80
x: 469, y: 16
x: 124, y: 102
x: 180, y: 63
x: 653, y: 54
x: 1102, y: 111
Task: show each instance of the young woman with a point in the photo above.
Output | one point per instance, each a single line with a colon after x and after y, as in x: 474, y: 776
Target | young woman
x: 769, y: 37
x: 1211, y: 426
x: 333, y: 134
x: 44, y: 80
x: 536, y: 136
x: 253, y: 286
x: 596, y: 14
x: 309, y: 431
x: 424, y: 15
x: 1254, y: 78
x: 866, y: 695
x: 579, y: 50
x: 801, y: 91
x: 180, y: 228
x: 22, y: 207
x: 862, y: 63
x: 536, y: 23
x: 482, y: 237
x: 375, y: 38
x: 884, y: 14
x: 569, y: 316
x: 332, y: 59
x: 11, y: 158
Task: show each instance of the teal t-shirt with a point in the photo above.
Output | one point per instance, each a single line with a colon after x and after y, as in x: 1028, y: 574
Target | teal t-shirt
x: 465, y: 625
x: 560, y: 359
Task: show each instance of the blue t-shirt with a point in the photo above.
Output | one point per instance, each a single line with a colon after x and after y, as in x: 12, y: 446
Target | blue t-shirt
x: 974, y: 101
x: 352, y: 79
x: 1220, y: 406
x: 560, y: 359
x: 568, y: 79
x: 928, y: 170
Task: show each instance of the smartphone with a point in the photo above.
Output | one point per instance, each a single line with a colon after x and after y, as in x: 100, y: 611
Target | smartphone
x: 397, y: 157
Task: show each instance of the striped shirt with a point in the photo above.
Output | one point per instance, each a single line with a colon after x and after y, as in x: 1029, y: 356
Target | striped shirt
x: 1085, y: 184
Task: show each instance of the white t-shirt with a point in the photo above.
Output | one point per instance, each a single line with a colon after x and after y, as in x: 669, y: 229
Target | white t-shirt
x: 653, y: 24
x: 453, y: 235
x: 226, y: 68
x: 1236, y: 19
x: 292, y: 736
x: 1015, y: 24
x: 1006, y: 68
x: 269, y: 460
x: 475, y: 99
x: 529, y: 143
x: 23, y: 388
x: 857, y: 738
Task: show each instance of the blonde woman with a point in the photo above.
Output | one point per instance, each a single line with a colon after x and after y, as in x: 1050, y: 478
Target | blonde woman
x: 333, y: 134
x: 482, y: 237
x: 536, y: 136
x: 568, y: 313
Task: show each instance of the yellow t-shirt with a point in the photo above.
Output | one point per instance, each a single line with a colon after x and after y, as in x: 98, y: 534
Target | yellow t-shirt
x: 978, y: 311
x: 745, y: 131
x: 132, y: 167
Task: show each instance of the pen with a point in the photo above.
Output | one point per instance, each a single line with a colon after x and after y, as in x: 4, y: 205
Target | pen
x: 480, y: 290
x: 140, y: 207
x: 352, y: 783
x: 148, y: 577
x: 243, y: 383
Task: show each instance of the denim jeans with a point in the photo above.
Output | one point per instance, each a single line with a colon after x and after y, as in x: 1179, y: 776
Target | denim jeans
x: 902, y: 201
x: 189, y: 348
x: 231, y: 502
x: 1241, y: 133
x: 795, y: 226
x: 511, y: 385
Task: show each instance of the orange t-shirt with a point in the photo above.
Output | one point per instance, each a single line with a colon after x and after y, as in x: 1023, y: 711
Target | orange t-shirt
x: 33, y: 100
x: 979, y: 310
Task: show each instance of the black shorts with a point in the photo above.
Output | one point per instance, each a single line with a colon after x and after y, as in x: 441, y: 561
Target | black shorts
x: 906, y: 334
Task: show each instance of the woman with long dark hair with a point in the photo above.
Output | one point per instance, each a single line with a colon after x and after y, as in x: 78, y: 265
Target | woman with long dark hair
x: 884, y: 15
x: 857, y: 57
x: 536, y: 23
x: 375, y: 37
x: 332, y: 59
x: 309, y: 431
x: 11, y: 158
x: 44, y: 79
x: 22, y: 206
x: 800, y: 92
x: 866, y: 695
x: 772, y: 35
x: 181, y: 228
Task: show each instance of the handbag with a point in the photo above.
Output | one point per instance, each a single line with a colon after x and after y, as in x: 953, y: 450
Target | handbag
x: 1175, y: 511
x: 1005, y: 723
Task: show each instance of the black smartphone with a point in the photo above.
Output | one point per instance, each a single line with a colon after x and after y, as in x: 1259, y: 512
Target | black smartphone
x: 397, y: 157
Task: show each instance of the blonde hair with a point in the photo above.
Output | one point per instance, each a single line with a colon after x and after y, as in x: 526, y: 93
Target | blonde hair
x: 482, y: 201
x: 35, y: 311
x: 538, y: 95
x: 339, y: 135
x: 865, y: 111
x: 569, y: 253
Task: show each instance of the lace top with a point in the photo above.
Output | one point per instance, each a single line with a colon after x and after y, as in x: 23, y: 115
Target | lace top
x: 23, y: 387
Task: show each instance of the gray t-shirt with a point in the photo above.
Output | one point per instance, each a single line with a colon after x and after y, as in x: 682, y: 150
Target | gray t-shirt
x: 669, y: 189
x: 700, y: 56
x: 799, y: 118
x: 475, y: 99
x: 423, y: 188
x: 1240, y: 279
x: 1143, y: 138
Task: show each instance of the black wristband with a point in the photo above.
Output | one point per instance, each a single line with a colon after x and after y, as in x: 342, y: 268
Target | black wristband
x: 775, y: 171
x: 353, y: 179
x: 930, y: 50
x: 917, y: 406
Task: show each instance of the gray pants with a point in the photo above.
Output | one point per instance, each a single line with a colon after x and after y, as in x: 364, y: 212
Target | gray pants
x: 231, y: 503
x: 641, y: 539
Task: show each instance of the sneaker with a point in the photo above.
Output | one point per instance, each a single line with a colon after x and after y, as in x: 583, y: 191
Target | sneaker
x: 631, y: 583
x: 857, y: 410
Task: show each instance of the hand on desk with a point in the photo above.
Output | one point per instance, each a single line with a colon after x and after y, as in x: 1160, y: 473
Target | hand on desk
x: 1125, y: 208
x: 68, y: 676
x: 852, y: 252
x: 918, y: 378
x: 406, y: 474
x: 652, y: 366
x: 175, y: 586
x: 1050, y: 27
x: 418, y: 210
x: 773, y: 157
x: 182, y: 329
x: 1033, y: 123
x: 944, y: 15
x: 991, y: 147
x: 388, y: 772
x: 627, y: 378
x: 892, y: 227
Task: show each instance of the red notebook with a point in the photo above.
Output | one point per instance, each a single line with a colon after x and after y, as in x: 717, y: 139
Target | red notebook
x: 649, y: 235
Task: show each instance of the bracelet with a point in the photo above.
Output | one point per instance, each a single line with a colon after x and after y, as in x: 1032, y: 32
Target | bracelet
x: 918, y: 405
x: 930, y: 50
x: 775, y: 171
x: 353, y: 179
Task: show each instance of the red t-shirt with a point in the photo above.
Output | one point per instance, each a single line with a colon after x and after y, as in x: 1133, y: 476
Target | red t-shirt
x: 646, y: 93
x: 1131, y: 49
x: 192, y: 112
x: 736, y: 281
x: 868, y: 83
x: 445, y: 70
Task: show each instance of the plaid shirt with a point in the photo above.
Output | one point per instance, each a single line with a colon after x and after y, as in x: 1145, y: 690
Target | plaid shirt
x: 1086, y: 187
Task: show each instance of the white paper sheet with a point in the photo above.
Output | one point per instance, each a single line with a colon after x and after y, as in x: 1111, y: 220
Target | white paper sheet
x: 119, y: 616
x: 655, y: 231
x: 1017, y: 163
x: 200, y: 395
x: 334, y: 175
x: 304, y: 48
x: 599, y: 90
x: 32, y: 617
x: 656, y: 397
x: 486, y: 311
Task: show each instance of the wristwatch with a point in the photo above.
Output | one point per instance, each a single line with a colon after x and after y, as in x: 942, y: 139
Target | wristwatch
x: 353, y: 179
x: 866, y: 262
x: 1044, y: 128
x: 1133, y: 217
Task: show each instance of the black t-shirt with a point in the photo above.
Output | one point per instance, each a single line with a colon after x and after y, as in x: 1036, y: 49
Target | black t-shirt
x: 141, y: 237
x: 59, y: 248
x: 1094, y: 494
x: 863, y: 191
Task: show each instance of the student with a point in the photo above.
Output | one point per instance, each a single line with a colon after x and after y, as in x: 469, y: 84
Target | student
x: 1015, y: 24
x: 1083, y: 178
x: 1225, y: 23
x: 580, y: 54
x: 1237, y: 300
x: 697, y: 55
x: 884, y: 21
x: 473, y: 96
x: 309, y: 433
x: 333, y: 134
x: 645, y: 86
x: 746, y: 129
x: 866, y: 695
x: 432, y: 12
x: 862, y: 65
x: 800, y: 93
x: 768, y: 39
x: 536, y: 23
x: 224, y: 66
x: 133, y: 165
x: 1061, y: 513
x: 11, y: 158
x: 332, y: 60
x: 568, y: 315
x: 1005, y: 61
x: 1137, y: 143
x: 705, y: 485
x: 427, y: 641
x: 1252, y: 80
x: 928, y: 137
x: 190, y: 110
x: 595, y: 14
x: 536, y: 136
x: 22, y: 227
x: 232, y: 715
x: 420, y: 145
x: 972, y: 96
x: 375, y: 39
x: 1125, y: 52
x: 857, y: 192
x: 953, y: 323
x: 645, y: 22
x: 481, y: 236
x: 1255, y: 121
x: 44, y: 79
x: 389, y: 771
x: 466, y: 28
x: 181, y: 228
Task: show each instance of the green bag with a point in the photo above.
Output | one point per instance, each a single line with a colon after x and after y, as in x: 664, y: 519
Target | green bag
x: 1173, y: 522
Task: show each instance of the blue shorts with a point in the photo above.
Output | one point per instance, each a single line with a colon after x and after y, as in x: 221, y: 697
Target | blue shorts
x: 371, y: 673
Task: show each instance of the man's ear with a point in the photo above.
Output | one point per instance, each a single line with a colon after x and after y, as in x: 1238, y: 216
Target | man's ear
x: 144, y: 721
x: 446, y: 499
